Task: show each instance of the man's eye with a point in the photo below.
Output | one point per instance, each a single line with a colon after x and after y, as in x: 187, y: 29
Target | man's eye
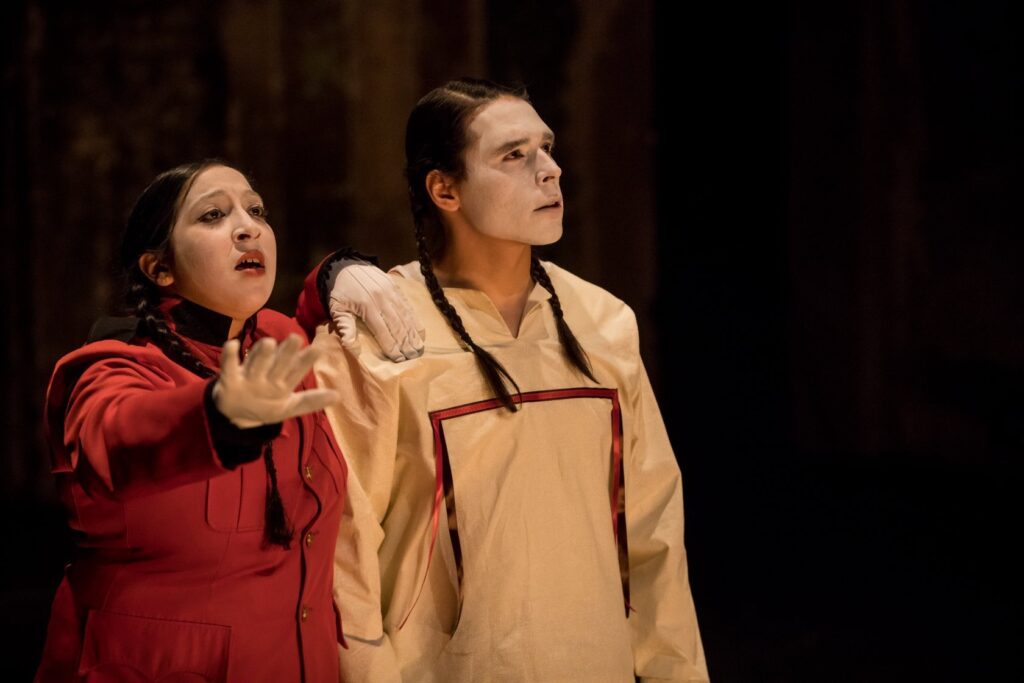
x: 514, y: 154
x: 549, y: 149
x: 212, y: 215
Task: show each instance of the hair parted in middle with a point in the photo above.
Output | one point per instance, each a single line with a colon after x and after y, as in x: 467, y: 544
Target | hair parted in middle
x: 436, y: 138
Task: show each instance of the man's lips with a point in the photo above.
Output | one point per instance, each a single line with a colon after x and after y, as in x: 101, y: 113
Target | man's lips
x: 251, y: 261
x: 553, y: 204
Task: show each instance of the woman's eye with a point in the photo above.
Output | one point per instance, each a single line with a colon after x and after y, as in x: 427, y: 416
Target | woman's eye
x: 212, y: 215
x: 258, y: 211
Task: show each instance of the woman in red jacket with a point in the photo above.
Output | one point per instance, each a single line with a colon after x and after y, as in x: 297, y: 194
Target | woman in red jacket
x: 198, y: 471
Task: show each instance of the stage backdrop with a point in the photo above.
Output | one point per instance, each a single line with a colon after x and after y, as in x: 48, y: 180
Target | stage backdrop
x: 811, y: 206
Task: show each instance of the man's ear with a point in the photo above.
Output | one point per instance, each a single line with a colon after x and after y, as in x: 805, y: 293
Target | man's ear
x: 443, y: 190
x: 154, y: 268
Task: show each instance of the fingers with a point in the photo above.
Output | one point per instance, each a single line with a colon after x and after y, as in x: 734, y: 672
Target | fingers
x: 309, y: 401
x: 408, y: 347
x: 389, y: 317
x: 396, y: 329
x: 300, y: 366
x: 380, y: 317
x: 380, y: 328
x: 412, y: 345
x: 230, y: 369
x: 260, y: 390
x: 283, y: 360
x: 397, y: 341
x: 402, y: 322
x: 260, y: 358
x: 284, y: 366
x: 367, y: 291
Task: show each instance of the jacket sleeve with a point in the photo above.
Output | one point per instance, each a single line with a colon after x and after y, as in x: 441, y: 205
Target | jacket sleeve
x: 367, y: 429
x: 666, y: 639
x: 138, y: 433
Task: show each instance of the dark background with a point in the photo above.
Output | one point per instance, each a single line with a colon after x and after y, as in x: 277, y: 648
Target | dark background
x: 808, y: 205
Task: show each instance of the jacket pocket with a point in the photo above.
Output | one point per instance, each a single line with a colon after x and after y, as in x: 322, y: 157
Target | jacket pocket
x: 127, y: 648
x: 235, y: 501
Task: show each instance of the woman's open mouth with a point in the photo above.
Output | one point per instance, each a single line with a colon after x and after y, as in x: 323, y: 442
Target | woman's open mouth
x: 251, y: 262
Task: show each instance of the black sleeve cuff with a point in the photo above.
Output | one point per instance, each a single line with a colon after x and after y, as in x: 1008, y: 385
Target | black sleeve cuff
x: 325, y: 269
x: 235, y: 446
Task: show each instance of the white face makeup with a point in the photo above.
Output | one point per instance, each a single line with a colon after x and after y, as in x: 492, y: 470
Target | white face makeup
x: 511, y: 189
x: 223, y: 254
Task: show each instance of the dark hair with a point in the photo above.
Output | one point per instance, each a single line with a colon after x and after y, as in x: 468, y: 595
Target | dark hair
x: 436, y: 138
x: 149, y: 230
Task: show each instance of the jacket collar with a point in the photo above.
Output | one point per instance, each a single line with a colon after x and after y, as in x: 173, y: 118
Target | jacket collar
x: 203, y: 329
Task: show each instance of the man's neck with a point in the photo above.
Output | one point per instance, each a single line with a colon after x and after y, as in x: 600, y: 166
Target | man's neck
x: 499, y: 269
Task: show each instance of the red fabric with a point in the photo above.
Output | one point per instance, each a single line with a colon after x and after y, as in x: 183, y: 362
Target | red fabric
x: 309, y: 311
x: 172, y: 577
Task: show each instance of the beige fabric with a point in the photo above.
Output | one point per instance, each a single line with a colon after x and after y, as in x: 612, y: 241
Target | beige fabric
x: 542, y: 597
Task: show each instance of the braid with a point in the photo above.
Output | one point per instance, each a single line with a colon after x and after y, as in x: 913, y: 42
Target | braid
x: 277, y: 529
x: 570, y: 345
x: 142, y: 298
x: 493, y: 370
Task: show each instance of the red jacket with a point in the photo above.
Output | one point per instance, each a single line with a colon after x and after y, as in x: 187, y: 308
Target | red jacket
x: 172, y: 579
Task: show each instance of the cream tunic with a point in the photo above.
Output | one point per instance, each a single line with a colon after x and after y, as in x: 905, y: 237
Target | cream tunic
x: 525, y: 585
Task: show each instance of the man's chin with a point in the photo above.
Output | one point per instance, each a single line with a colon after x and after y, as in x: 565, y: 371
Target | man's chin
x: 546, y: 237
x: 532, y: 235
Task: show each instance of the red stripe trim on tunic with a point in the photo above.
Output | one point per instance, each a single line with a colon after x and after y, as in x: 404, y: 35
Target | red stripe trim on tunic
x: 437, y: 419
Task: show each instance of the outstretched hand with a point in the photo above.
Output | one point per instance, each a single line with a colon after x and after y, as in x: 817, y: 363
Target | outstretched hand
x: 261, y: 389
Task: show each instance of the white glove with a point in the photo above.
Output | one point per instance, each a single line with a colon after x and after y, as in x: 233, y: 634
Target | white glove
x: 361, y: 289
x: 261, y: 390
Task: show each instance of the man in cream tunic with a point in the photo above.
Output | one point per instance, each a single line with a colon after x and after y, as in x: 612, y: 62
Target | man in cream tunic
x: 540, y: 544
x: 541, y: 597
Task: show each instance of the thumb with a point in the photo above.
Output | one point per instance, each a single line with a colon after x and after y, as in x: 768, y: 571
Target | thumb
x: 348, y: 330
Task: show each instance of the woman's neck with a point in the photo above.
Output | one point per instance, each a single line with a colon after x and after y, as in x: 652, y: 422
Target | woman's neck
x: 235, y: 329
x: 202, y: 324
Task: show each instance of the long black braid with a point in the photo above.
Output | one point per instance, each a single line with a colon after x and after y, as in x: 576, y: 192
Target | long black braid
x: 149, y: 230
x: 143, y: 299
x: 489, y: 365
x: 570, y: 345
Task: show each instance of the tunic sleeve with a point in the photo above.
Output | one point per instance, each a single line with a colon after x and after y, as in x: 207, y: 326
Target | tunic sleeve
x: 666, y: 639
x: 366, y: 426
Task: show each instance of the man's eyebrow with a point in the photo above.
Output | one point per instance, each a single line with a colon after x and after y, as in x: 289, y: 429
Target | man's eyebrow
x: 512, y: 144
